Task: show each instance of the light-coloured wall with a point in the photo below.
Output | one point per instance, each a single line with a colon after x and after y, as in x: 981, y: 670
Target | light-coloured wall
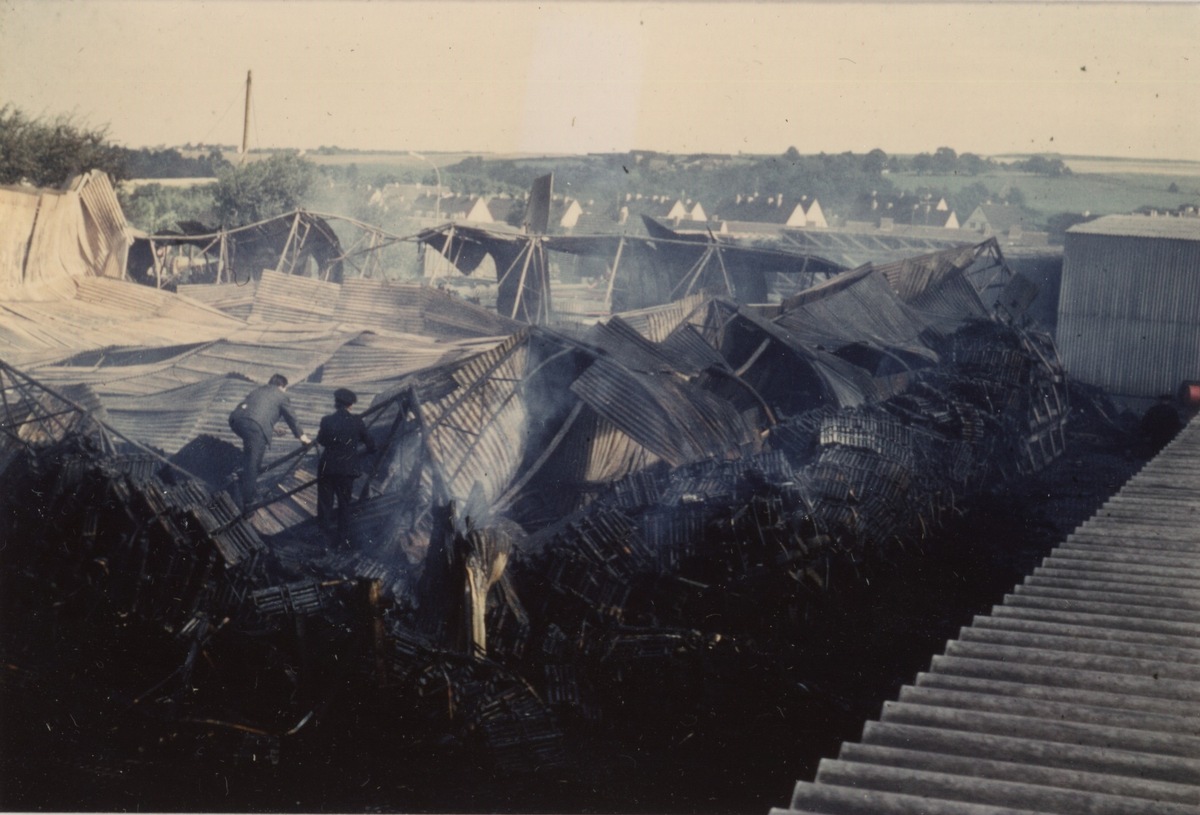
x: 1129, y: 312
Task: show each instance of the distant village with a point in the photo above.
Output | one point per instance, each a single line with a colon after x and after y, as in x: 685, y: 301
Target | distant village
x: 742, y: 215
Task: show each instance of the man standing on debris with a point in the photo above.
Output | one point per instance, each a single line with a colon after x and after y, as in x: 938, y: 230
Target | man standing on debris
x: 253, y: 420
x: 340, y: 434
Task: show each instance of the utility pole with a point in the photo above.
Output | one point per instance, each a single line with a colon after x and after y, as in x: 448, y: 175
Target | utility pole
x: 246, y: 122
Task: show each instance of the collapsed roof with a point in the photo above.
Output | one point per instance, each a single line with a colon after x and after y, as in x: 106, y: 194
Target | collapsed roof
x: 641, y: 272
x: 555, y: 510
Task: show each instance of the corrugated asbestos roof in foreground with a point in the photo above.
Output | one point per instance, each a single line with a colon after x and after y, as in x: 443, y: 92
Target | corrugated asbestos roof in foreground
x: 1076, y: 695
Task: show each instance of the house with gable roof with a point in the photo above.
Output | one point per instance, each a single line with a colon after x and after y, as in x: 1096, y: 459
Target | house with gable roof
x: 999, y: 219
x: 756, y: 214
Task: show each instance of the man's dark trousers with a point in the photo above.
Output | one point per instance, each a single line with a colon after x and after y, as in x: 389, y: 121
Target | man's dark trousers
x: 254, y: 446
x: 341, y: 487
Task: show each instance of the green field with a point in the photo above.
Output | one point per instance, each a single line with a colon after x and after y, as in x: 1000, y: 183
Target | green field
x: 1098, y: 193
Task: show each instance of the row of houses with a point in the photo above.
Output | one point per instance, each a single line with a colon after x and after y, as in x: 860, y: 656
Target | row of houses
x: 572, y: 214
x: 743, y: 214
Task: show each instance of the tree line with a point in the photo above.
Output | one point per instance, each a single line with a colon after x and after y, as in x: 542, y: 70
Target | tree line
x: 49, y: 152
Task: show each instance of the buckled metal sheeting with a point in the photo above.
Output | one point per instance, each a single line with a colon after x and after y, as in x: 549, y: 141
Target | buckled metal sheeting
x: 1079, y: 694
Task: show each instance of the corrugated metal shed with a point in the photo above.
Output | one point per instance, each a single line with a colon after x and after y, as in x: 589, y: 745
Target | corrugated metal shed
x: 1141, y: 226
x: 1129, y: 306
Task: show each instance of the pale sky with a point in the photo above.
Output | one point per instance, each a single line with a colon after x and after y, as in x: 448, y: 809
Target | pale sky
x: 992, y: 78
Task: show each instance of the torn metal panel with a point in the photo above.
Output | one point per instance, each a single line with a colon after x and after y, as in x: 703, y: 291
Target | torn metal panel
x: 678, y: 422
x: 610, y: 452
x: 950, y: 305
x: 417, y: 309
x: 49, y: 238
x: 1018, y: 295
x: 854, y: 307
x: 620, y: 341
x: 537, y: 211
x: 917, y: 279
x: 656, y: 323
x: 475, y: 432
x: 107, y: 234
x: 234, y: 299
x: 776, y: 368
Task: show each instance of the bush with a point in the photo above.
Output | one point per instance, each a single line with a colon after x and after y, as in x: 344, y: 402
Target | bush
x: 49, y: 154
x: 262, y: 189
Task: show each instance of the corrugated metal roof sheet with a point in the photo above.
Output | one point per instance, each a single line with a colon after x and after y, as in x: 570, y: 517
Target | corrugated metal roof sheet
x: 169, y: 419
x: 414, y: 308
x: 657, y: 323
x: 106, y: 312
x: 43, y: 242
x: 855, y: 307
x: 382, y: 303
x: 235, y: 299
x: 48, y: 237
x: 372, y: 357
x: 296, y: 359
x: 674, y: 420
x: 618, y: 339
x: 106, y: 233
x: 290, y: 298
x: 611, y: 453
x: 1141, y: 226
x: 689, y: 352
x: 476, y: 432
x: 911, y: 277
x: 446, y: 315
x: 947, y: 305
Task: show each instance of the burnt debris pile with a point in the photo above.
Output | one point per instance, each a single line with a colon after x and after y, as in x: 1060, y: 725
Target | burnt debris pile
x: 580, y: 553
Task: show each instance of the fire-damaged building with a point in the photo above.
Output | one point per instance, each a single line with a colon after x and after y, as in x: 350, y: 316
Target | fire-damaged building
x: 576, y: 542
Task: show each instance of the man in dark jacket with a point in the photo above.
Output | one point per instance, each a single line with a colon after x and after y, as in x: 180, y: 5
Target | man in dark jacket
x: 340, y: 434
x: 253, y: 420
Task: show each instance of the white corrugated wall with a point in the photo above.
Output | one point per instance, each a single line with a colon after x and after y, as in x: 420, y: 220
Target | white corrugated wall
x: 1129, y: 312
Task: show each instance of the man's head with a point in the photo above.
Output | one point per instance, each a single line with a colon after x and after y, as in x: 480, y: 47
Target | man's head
x: 278, y: 381
x: 344, y: 397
